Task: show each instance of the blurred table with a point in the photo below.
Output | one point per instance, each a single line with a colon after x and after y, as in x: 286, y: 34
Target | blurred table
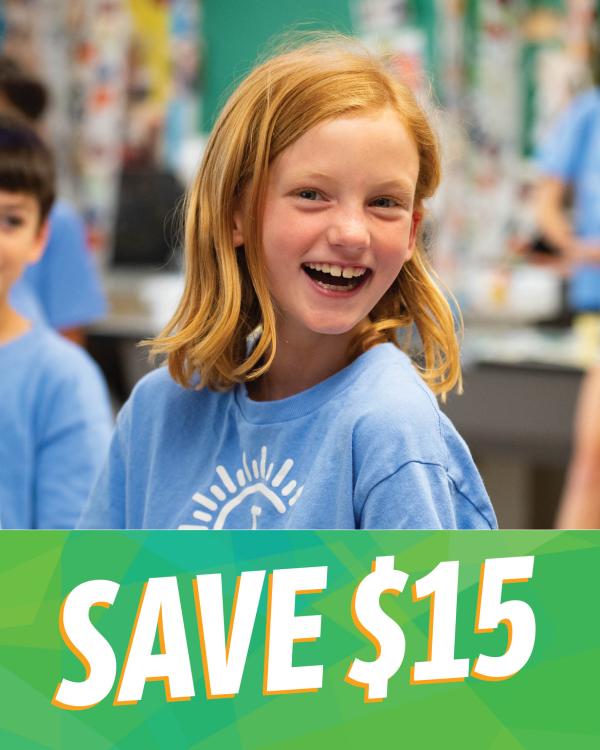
x: 140, y: 304
x: 520, y: 392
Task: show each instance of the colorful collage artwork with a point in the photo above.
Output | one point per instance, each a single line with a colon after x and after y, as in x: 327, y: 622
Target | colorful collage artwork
x: 120, y: 72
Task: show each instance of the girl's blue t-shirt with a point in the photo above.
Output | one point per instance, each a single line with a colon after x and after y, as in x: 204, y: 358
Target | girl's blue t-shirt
x: 366, y: 448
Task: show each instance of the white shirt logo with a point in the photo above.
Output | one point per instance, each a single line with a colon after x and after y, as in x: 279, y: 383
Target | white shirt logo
x: 254, y: 486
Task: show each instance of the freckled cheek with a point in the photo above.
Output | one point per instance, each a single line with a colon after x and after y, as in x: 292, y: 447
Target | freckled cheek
x: 280, y: 258
x: 394, y: 253
x: 288, y: 242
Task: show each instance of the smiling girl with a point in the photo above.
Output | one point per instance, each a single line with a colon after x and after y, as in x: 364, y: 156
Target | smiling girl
x: 288, y: 402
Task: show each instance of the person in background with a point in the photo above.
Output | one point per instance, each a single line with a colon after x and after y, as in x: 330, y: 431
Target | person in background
x: 580, y: 505
x: 64, y: 288
x: 569, y: 162
x: 55, y: 418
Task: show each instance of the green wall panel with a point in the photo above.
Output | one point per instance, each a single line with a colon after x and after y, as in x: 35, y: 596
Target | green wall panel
x: 235, y: 33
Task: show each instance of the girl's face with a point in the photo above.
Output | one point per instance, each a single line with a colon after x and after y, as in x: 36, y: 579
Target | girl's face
x: 338, y: 222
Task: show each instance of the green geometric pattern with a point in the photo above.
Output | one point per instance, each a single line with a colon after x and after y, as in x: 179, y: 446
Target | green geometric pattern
x: 552, y: 702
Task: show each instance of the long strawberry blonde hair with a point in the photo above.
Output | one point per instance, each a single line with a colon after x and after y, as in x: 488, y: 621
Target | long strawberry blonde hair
x: 226, y: 295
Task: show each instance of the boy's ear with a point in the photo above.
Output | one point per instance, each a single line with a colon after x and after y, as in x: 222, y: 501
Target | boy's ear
x: 238, y: 228
x: 417, y: 218
x: 40, y: 242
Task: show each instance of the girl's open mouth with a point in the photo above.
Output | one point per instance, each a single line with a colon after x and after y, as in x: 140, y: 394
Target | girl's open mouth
x: 334, y: 278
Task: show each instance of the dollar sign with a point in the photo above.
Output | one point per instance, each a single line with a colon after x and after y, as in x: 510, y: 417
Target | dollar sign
x: 379, y: 628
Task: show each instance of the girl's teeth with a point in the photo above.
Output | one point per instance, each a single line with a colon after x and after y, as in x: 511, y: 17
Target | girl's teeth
x: 348, y: 272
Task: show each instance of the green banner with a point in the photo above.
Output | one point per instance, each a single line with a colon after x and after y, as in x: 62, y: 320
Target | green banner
x: 295, y: 639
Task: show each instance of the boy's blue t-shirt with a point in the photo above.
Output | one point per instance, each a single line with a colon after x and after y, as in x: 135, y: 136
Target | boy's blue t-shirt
x: 366, y: 448
x: 55, y: 425
x: 63, y: 289
x: 571, y: 152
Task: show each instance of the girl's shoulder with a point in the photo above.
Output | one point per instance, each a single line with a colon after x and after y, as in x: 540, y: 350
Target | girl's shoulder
x: 156, y: 384
x: 401, y: 423
x: 392, y: 406
x: 390, y: 388
x: 157, y: 393
x: 158, y: 404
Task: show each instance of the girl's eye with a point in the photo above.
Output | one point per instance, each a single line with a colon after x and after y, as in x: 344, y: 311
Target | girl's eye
x: 309, y: 195
x: 384, y: 202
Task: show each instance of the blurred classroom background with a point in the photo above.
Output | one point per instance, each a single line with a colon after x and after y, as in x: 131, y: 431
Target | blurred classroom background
x: 136, y: 85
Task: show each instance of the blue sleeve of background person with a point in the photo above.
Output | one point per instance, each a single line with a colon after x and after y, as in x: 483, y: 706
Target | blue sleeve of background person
x: 559, y: 154
x: 105, y: 506
x: 73, y: 426
x: 65, y: 280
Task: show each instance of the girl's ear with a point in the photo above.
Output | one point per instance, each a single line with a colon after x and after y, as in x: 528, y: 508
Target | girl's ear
x: 238, y: 228
x: 417, y: 218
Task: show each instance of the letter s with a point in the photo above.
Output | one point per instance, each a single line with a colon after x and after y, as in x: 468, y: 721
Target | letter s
x: 91, y: 648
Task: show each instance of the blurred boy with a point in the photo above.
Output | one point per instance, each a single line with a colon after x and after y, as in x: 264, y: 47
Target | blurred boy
x: 63, y: 289
x: 55, y: 418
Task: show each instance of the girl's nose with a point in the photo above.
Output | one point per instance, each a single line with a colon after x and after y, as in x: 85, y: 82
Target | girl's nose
x: 348, y: 230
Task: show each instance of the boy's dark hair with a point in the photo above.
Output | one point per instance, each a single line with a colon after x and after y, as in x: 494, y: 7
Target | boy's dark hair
x: 26, y: 164
x: 24, y: 92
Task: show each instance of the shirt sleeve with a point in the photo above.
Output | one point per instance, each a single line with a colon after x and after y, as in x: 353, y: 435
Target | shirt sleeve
x: 65, y: 280
x: 561, y: 150
x: 420, y: 496
x: 74, y: 427
x: 105, y: 506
